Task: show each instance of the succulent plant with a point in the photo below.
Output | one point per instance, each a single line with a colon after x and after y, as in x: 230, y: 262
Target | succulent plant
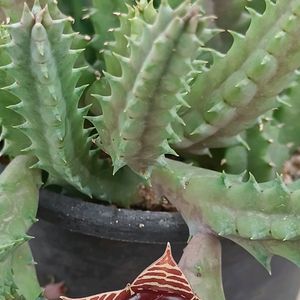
x: 166, y: 100
x: 169, y: 280
x: 19, y: 187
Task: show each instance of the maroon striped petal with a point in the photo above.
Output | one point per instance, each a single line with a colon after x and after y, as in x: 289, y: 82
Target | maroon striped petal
x: 116, y: 295
x: 164, y: 277
x: 162, y: 280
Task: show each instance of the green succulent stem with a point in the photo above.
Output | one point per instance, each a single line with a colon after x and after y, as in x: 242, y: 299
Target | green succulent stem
x: 104, y: 17
x: 42, y: 65
x: 262, y: 218
x: 19, y: 193
x: 266, y: 154
x: 244, y: 83
x: 157, y: 97
x: 42, y: 60
x: 136, y: 125
x: 288, y: 116
x: 13, y: 139
x: 201, y: 264
x: 231, y: 205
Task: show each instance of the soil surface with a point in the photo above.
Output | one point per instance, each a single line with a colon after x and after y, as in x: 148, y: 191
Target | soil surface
x: 291, y: 169
x: 150, y: 202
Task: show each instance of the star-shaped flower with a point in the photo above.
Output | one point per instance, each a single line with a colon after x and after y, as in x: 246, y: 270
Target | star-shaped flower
x: 162, y: 280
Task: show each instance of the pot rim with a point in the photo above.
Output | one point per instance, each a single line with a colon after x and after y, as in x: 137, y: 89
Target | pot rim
x: 110, y: 222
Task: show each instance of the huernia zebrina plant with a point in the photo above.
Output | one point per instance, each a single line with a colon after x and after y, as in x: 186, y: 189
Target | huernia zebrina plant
x: 158, y: 102
x: 161, y: 280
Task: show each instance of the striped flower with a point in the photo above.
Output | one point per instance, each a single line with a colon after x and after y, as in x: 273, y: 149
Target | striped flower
x: 162, y: 280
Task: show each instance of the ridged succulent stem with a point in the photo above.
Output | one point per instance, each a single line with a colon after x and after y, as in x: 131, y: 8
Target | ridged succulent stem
x: 201, y: 264
x: 262, y: 218
x: 288, y: 116
x: 246, y: 81
x: 229, y: 205
x: 135, y: 128
x: 46, y: 84
x: 19, y: 193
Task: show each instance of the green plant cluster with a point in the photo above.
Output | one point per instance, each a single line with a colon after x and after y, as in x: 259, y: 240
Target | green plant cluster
x: 156, y: 94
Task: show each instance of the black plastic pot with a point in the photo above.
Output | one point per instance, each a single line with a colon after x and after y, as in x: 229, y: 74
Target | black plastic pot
x: 95, y: 248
